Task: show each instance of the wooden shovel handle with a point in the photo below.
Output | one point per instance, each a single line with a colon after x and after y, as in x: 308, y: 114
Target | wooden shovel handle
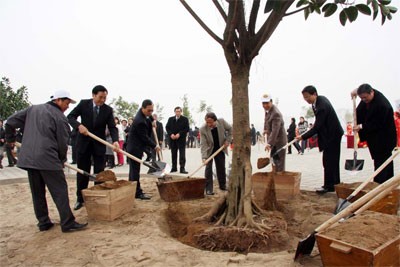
x: 104, y: 142
x: 361, y: 186
x: 207, y: 160
x: 394, y: 181
x: 156, y: 139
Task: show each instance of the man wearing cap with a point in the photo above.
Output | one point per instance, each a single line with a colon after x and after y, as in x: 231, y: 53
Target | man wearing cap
x: 95, y: 116
x: 376, y: 126
x: 43, y: 153
x: 330, y: 133
x: 276, y: 134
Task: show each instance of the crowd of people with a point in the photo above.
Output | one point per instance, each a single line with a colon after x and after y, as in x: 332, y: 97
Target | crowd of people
x: 44, y: 147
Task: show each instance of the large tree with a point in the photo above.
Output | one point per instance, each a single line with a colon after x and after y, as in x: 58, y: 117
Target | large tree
x: 241, y: 42
x: 10, y: 100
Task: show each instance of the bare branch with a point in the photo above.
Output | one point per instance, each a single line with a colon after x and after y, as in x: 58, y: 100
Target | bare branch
x: 202, y: 24
x: 220, y: 9
x: 296, y: 11
x: 253, y: 17
x: 269, y: 26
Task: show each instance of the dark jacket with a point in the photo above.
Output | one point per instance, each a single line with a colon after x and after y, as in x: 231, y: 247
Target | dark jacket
x: 45, y: 142
x: 2, y: 136
x: 180, y: 126
x: 105, y: 117
x: 140, y: 135
x: 326, y: 125
x: 291, y: 131
x: 378, y: 127
x: 159, y: 131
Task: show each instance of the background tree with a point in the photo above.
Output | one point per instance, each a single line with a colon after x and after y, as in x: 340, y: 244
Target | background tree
x: 309, y: 113
x: 203, y: 108
x: 186, y: 110
x: 241, y: 42
x: 11, y: 101
x: 159, y: 111
x: 124, y: 109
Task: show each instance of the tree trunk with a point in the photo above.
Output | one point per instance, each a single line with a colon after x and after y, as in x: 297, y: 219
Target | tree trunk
x: 239, y: 207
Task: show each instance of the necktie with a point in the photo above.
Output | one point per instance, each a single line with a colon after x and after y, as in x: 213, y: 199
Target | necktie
x: 314, y: 109
x: 95, y: 113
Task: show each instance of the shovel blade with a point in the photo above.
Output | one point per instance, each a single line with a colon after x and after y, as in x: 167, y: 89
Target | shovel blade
x: 354, y: 165
x: 262, y: 162
x: 341, y: 205
x: 305, y: 246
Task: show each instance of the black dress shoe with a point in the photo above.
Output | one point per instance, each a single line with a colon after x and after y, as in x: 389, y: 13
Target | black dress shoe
x: 143, y: 197
x: 209, y: 193
x: 173, y: 170
x: 183, y: 171
x: 46, y: 226
x: 78, y: 205
x: 223, y: 188
x: 323, y: 190
x: 74, y: 227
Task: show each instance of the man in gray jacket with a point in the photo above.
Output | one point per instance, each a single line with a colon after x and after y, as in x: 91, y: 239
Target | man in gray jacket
x: 43, y: 153
x: 276, y: 134
x: 214, y: 134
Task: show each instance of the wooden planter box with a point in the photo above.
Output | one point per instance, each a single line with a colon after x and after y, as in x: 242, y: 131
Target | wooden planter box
x: 109, y: 204
x: 182, y: 189
x: 287, y: 185
x: 368, y: 239
x: 388, y: 204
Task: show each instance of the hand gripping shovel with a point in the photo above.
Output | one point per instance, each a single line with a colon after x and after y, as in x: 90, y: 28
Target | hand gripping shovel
x: 161, y: 168
x: 207, y: 161
x: 343, y: 203
x: 354, y: 164
x: 306, y: 245
x: 263, y: 162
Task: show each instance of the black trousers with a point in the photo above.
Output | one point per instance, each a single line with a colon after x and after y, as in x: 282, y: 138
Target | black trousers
x: 175, y: 146
x: 58, y: 188
x: 387, y: 172
x: 295, y: 144
x: 10, y: 156
x: 84, y: 162
x: 134, y: 172
x: 221, y: 175
x: 331, y: 163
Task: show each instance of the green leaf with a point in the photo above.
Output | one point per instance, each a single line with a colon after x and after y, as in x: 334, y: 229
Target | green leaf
x: 306, y: 13
x: 385, y: 2
x: 383, y: 19
x: 389, y: 16
x: 375, y: 8
x: 351, y: 13
x: 385, y: 10
x: 364, y: 9
x: 317, y: 9
x: 369, y: 2
x: 392, y: 9
x: 343, y: 17
x: 301, y: 3
x: 329, y: 9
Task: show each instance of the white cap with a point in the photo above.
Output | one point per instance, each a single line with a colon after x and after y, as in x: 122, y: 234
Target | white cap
x: 266, y: 98
x: 62, y: 94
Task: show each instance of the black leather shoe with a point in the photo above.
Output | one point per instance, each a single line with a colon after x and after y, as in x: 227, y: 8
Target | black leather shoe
x: 78, y: 205
x: 46, y: 227
x: 183, y: 171
x: 74, y: 227
x: 223, y: 188
x: 209, y: 193
x: 143, y: 197
x: 173, y: 170
x: 323, y: 190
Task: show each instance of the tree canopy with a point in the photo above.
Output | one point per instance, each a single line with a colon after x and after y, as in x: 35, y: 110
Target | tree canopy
x: 12, y: 100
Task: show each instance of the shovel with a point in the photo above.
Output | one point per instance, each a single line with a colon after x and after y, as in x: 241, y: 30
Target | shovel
x: 263, y: 162
x: 91, y: 177
x: 343, y: 203
x: 160, y: 168
x: 306, y: 245
x: 207, y: 161
x: 354, y: 164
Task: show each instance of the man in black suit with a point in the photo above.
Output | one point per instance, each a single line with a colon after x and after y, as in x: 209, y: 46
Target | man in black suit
x: 95, y: 116
x: 375, y: 124
x: 330, y: 132
x: 177, y: 128
x: 139, y: 140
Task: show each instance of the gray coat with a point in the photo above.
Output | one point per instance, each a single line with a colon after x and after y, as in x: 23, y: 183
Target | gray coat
x: 274, y: 127
x: 206, y: 139
x: 45, y: 137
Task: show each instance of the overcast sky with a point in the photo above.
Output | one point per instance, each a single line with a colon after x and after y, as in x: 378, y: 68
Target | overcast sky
x: 156, y: 50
